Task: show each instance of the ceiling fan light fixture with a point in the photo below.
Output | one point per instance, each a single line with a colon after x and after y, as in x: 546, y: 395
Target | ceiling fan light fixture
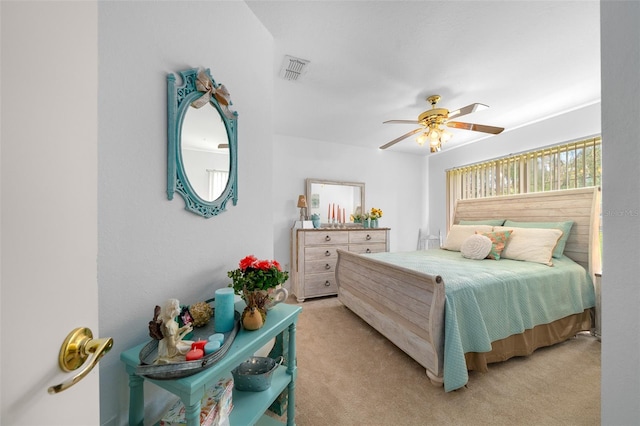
x: 445, y: 136
x: 433, y: 120
x: 422, y: 138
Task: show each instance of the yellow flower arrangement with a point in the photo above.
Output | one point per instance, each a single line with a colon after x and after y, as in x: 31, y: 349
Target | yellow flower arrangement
x: 375, y: 213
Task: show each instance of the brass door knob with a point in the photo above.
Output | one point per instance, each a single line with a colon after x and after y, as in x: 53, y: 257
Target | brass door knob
x: 75, y: 350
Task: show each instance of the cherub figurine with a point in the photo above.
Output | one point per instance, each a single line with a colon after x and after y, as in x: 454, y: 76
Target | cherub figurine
x: 171, y: 348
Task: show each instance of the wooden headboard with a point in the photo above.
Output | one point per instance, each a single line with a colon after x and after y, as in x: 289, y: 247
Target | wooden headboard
x: 580, y: 205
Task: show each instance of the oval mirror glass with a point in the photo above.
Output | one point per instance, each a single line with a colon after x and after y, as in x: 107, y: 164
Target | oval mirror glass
x: 205, y: 151
x: 202, y: 133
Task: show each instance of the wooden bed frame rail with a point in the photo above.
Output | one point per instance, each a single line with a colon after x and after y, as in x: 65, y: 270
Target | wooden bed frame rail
x: 405, y: 306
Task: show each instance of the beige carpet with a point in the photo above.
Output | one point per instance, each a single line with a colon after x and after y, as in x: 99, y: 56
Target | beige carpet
x: 349, y: 374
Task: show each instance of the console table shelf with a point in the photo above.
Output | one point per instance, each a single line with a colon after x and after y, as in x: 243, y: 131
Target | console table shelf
x: 248, y: 407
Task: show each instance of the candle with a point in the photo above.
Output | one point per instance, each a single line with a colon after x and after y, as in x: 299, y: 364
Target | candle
x: 199, y: 344
x: 194, y: 354
x: 224, y: 311
x: 343, y: 218
x: 218, y: 337
x: 329, y: 214
x: 211, y: 347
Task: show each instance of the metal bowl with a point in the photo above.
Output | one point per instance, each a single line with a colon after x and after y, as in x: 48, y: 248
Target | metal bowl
x: 254, y: 375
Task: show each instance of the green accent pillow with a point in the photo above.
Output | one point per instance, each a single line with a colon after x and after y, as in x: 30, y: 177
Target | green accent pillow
x: 498, y: 241
x: 565, y: 227
x: 492, y: 222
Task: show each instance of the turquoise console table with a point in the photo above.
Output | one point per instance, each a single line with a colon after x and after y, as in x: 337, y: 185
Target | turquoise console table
x: 248, y: 407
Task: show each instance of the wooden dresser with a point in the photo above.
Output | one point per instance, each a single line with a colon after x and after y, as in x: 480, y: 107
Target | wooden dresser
x: 314, y: 256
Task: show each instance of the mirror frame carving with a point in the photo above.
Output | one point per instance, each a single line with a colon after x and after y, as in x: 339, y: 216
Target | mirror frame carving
x: 310, y: 181
x: 179, y: 98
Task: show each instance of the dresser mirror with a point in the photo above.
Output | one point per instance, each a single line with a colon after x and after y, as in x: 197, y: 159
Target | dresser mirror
x: 324, y: 197
x: 203, y: 146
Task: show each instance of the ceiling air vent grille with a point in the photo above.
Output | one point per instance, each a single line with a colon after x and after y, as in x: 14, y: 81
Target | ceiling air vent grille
x: 293, y: 68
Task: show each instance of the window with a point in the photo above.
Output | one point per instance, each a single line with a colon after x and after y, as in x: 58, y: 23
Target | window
x: 566, y: 166
x: 217, y: 182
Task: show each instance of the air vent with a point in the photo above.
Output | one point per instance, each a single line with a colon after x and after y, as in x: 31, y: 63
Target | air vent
x: 293, y: 68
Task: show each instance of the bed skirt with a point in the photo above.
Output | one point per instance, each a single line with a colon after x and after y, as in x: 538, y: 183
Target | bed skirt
x: 525, y: 343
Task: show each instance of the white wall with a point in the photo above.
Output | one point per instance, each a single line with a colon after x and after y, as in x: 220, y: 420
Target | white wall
x: 150, y: 248
x: 574, y: 125
x: 393, y: 183
x: 620, y: 41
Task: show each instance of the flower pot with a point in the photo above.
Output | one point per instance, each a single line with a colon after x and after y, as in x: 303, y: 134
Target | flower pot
x: 374, y: 223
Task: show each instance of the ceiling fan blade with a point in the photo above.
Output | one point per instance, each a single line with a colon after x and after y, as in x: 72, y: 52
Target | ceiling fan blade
x: 406, y: 135
x: 467, y: 110
x: 475, y: 127
x: 401, y: 121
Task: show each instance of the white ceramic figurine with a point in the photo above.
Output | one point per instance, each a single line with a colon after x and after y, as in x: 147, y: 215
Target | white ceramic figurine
x: 172, y: 347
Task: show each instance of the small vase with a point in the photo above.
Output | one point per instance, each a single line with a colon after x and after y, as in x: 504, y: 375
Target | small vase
x: 365, y: 223
x: 253, y: 318
x: 374, y: 223
x: 255, y: 314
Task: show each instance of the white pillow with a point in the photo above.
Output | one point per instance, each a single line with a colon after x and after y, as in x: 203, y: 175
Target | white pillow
x: 530, y: 244
x: 459, y: 233
x: 476, y: 247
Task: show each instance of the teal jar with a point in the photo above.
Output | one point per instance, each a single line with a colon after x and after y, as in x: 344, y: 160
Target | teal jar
x: 315, y: 219
x: 365, y: 223
x: 374, y: 223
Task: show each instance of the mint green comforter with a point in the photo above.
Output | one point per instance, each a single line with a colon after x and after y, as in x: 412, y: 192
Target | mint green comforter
x: 488, y: 300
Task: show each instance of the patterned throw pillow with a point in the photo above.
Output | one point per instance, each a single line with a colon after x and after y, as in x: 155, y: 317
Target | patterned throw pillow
x: 498, y: 240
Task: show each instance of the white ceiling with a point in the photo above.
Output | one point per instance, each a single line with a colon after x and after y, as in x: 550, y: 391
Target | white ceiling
x: 372, y: 61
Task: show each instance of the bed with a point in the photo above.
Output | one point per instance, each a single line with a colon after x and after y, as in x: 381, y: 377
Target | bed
x: 429, y: 302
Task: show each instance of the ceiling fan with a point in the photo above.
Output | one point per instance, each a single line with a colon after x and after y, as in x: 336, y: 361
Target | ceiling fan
x: 432, y: 121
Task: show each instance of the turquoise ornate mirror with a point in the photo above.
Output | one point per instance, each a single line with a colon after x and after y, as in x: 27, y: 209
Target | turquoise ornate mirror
x: 203, y: 143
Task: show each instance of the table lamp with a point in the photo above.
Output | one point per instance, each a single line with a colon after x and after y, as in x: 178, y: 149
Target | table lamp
x: 302, y: 204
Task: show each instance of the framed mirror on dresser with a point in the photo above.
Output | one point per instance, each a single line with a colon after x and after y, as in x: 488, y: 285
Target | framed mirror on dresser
x: 314, y: 251
x: 329, y: 199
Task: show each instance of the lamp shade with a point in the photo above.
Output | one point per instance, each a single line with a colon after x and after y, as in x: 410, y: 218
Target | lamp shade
x: 302, y: 201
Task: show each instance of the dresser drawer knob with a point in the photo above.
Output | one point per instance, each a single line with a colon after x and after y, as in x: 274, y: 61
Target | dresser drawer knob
x: 368, y: 251
x: 327, y: 238
x: 368, y: 237
x: 327, y: 266
x: 327, y: 283
x: 327, y: 253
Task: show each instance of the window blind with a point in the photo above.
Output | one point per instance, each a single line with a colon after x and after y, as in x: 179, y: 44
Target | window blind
x: 570, y: 165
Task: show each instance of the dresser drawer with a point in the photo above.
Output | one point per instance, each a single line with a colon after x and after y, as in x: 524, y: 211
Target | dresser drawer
x: 326, y: 238
x: 368, y: 248
x: 323, y: 253
x: 369, y: 236
x: 320, y: 266
x: 320, y: 285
